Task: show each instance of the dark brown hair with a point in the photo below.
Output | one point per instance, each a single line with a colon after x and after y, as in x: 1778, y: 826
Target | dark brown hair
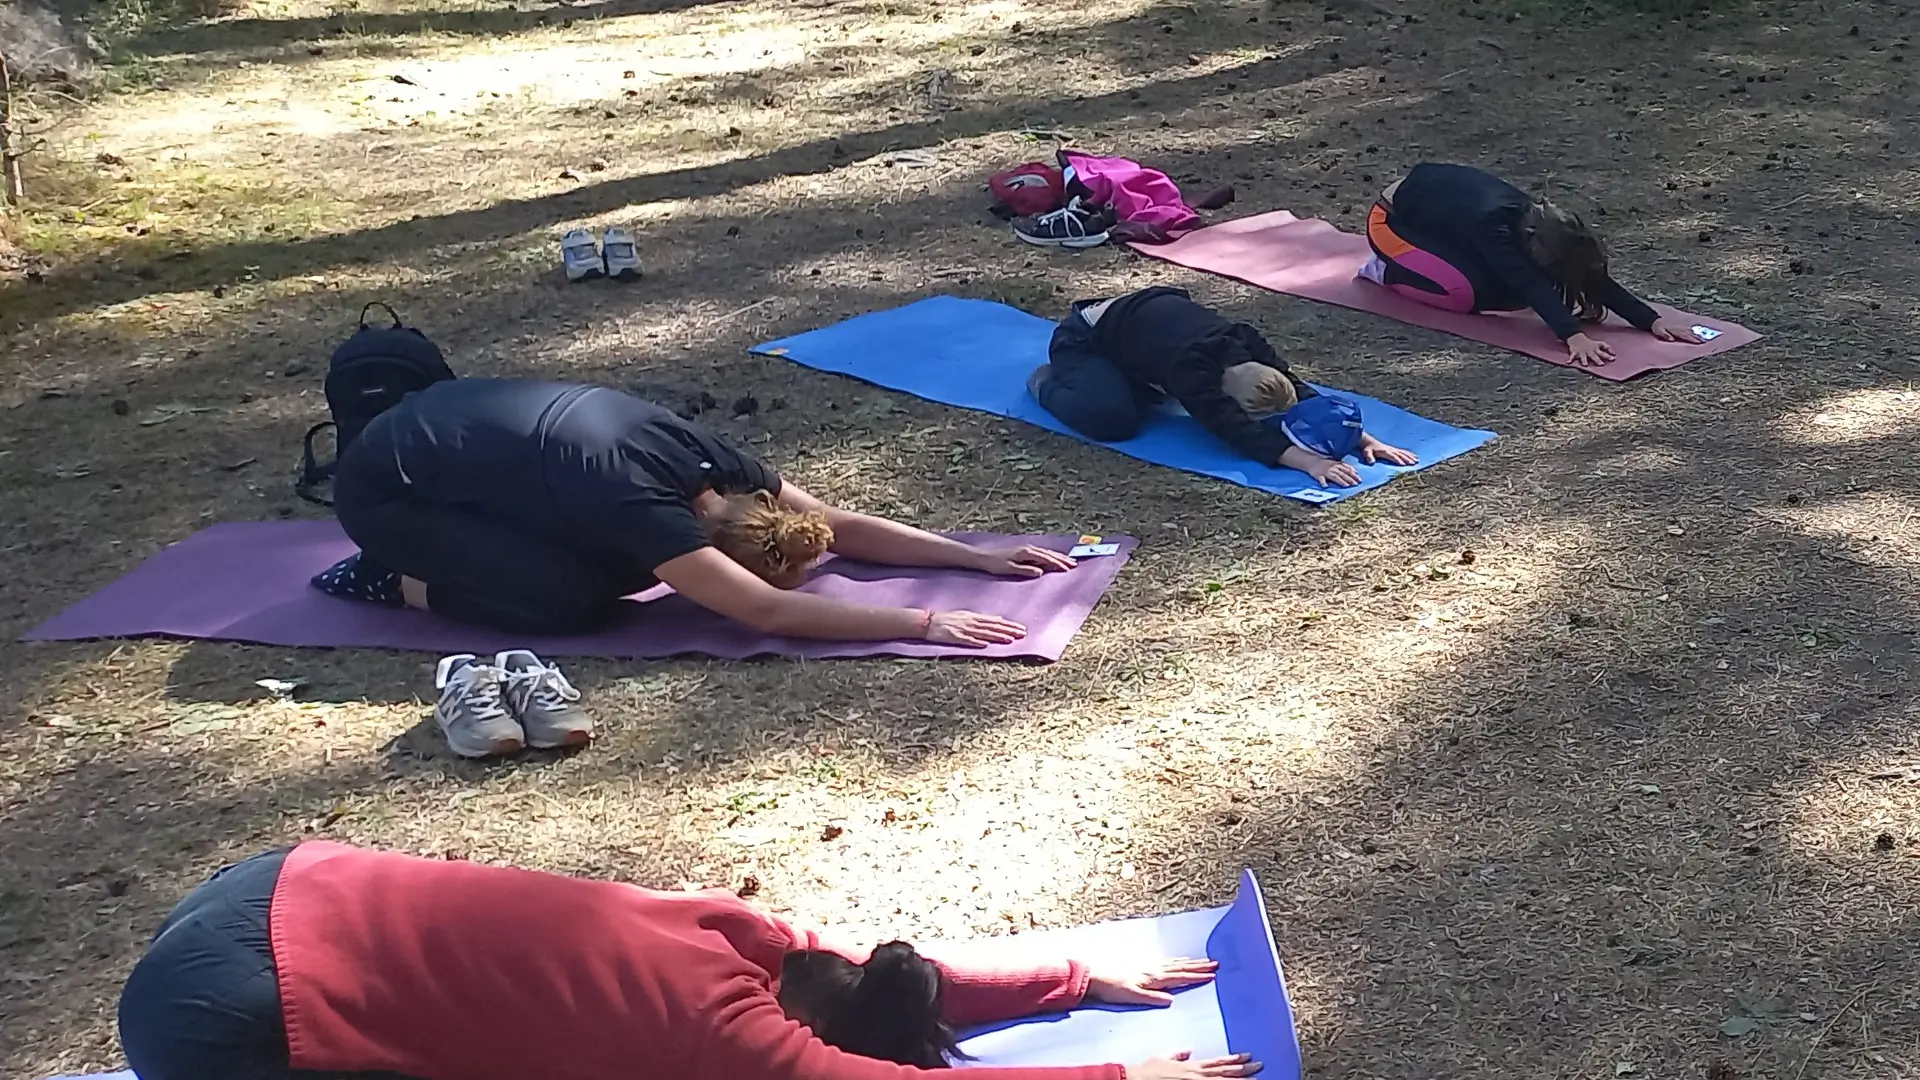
x: 774, y: 542
x: 1572, y: 255
x: 887, y: 1008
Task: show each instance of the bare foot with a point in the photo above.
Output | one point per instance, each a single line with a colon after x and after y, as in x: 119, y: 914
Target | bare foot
x: 413, y: 592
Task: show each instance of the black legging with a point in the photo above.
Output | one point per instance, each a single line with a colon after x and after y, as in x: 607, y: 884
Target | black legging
x: 1085, y: 391
x: 476, y: 570
x: 204, y: 1002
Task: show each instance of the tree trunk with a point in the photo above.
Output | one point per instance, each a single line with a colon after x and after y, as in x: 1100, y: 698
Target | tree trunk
x: 15, y: 190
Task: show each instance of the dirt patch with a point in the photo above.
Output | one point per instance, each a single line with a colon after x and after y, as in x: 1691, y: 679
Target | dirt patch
x: 1627, y: 793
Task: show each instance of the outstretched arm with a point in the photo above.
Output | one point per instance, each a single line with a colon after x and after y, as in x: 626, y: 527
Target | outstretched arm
x: 1636, y: 311
x: 753, y: 1040
x: 720, y: 585
x: 890, y: 543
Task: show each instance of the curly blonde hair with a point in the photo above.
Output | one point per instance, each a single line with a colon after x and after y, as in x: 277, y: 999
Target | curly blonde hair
x: 1260, y: 390
x: 776, y: 543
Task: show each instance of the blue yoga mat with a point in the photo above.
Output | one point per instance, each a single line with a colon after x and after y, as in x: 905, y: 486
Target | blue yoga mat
x: 977, y: 355
x: 1244, y: 1010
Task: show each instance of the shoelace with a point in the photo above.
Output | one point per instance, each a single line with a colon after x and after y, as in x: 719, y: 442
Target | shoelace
x: 543, y: 686
x: 1072, y: 214
x: 481, y: 694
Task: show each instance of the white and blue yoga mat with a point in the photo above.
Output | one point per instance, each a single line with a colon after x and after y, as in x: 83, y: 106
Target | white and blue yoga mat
x: 1243, y: 1011
x: 977, y: 354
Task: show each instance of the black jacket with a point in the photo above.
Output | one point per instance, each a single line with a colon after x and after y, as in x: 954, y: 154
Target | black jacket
x: 1161, y: 339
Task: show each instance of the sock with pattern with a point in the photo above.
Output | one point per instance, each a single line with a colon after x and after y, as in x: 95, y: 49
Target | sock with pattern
x: 357, y: 577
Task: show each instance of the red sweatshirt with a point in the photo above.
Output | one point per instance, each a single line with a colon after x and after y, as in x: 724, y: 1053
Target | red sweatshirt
x: 456, y: 971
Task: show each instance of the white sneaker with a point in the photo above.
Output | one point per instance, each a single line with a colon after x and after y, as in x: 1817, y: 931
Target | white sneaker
x: 622, y: 255
x: 473, y: 710
x: 1375, y: 271
x: 543, y: 701
x: 580, y: 257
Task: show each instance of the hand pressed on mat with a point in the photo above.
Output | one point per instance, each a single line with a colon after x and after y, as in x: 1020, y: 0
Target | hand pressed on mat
x: 1667, y: 329
x: 1150, y: 986
x: 1181, y: 1066
x: 1372, y: 449
x: 972, y: 629
x: 1588, y: 352
x: 1025, y: 561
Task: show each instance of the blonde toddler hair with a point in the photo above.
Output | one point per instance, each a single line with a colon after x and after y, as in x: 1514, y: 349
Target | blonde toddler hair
x: 1260, y: 390
x: 776, y: 543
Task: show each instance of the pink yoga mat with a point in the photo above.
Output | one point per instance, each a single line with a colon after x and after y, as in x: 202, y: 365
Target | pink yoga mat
x: 1311, y: 258
x: 247, y: 581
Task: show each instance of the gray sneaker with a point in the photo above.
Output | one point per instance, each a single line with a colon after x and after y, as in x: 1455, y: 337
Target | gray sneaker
x: 543, y: 701
x: 473, y: 708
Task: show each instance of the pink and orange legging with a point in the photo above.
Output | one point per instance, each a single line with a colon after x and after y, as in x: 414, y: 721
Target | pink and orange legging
x: 1423, y: 271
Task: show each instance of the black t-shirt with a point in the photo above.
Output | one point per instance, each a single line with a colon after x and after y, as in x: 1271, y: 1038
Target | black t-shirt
x: 594, y: 469
x: 1477, y: 215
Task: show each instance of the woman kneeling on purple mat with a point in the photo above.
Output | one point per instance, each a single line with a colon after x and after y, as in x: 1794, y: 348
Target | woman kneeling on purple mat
x: 534, y: 507
x: 328, y: 961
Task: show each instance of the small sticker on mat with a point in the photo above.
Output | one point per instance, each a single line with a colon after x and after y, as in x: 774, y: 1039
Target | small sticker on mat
x: 1312, y: 495
x: 1704, y: 333
x: 1088, y: 551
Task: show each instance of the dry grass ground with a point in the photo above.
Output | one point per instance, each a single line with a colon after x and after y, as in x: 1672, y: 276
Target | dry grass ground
x: 1642, y: 764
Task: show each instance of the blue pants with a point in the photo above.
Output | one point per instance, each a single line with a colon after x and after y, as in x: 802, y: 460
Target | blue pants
x: 1086, y: 392
x: 204, y: 1002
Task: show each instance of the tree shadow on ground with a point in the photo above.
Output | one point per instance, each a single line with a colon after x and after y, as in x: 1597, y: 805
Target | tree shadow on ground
x: 256, y: 38
x: 62, y: 292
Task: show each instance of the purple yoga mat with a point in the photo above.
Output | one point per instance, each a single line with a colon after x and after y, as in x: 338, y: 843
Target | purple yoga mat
x: 247, y: 581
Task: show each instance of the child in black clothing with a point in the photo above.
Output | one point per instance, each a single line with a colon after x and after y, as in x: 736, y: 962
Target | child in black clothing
x: 1112, y: 360
x: 1458, y: 238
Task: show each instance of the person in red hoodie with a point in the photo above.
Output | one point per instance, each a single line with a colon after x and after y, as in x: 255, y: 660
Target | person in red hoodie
x: 328, y: 961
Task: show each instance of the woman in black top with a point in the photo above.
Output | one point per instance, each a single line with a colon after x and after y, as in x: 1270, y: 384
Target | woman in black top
x: 534, y: 507
x: 1458, y: 238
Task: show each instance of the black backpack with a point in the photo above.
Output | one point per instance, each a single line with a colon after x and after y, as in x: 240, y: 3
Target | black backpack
x: 369, y: 373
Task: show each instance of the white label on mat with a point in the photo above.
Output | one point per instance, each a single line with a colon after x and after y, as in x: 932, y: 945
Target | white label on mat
x: 1311, y: 495
x: 1088, y: 551
x: 1704, y: 333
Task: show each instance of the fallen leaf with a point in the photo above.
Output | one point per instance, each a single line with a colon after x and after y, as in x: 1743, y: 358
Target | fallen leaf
x: 832, y: 832
x: 748, y: 887
x: 1734, y: 1027
x: 162, y: 414
x: 281, y: 688
x: 1625, y: 1068
x: 1647, y: 789
x: 1675, y: 530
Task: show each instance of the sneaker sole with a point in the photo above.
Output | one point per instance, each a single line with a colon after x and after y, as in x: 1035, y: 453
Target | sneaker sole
x: 584, y: 273
x: 470, y: 749
x: 1071, y: 244
x: 626, y: 273
x: 498, y: 748
x: 570, y: 739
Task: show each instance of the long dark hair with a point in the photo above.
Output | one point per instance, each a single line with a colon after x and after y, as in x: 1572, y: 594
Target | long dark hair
x: 1572, y: 255
x: 887, y: 1008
